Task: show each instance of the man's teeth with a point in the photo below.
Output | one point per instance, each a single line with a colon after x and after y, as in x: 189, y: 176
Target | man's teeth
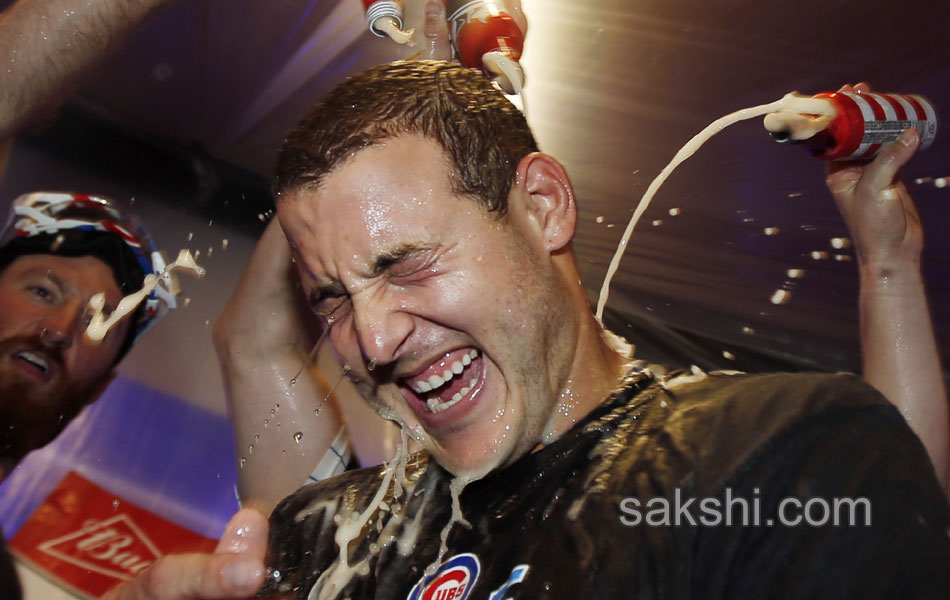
x: 435, y: 405
x: 35, y: 360
x: 435, y: 381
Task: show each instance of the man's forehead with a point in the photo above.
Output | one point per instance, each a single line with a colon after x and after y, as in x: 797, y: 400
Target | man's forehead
x: 79, y: 271
x: 362, y: 231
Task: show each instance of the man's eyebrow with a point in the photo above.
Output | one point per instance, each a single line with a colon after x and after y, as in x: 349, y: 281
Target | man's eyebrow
x: 48, y: 273
x: 398, y: 254
x: 60, y: 283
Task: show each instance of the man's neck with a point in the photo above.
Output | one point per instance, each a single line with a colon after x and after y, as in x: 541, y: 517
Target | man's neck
x: 600, y: 363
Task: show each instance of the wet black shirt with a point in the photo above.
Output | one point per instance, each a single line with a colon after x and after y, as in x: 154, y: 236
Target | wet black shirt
x: 551, y: 525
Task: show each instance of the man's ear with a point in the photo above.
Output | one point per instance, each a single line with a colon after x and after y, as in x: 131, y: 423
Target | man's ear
x: 549, y: 199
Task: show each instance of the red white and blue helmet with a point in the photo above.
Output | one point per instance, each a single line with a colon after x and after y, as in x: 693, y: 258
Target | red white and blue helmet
x: 70, y: 224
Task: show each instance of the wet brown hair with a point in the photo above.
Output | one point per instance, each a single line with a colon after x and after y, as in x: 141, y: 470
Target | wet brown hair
x: 484, y: 134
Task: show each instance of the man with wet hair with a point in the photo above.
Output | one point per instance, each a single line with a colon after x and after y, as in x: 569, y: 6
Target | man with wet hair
x: 434, y: 240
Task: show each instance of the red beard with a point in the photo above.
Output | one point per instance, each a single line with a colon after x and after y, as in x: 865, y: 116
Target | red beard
x: 33, y: 413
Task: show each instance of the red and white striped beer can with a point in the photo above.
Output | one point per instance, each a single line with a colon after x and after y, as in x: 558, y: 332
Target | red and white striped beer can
x: 865, y: 122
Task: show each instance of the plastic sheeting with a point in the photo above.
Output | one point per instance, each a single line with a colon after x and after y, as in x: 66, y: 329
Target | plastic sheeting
x: 614, y: 88
x: 163, y: 454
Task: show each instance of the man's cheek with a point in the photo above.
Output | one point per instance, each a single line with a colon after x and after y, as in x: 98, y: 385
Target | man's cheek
x: 344, y: 345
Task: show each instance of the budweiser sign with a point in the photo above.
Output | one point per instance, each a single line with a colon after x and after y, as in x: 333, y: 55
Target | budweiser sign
x: 116, y: 547
x: 91, y: 540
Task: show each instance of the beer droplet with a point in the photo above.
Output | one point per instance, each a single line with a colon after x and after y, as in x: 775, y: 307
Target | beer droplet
x: 781, y: 297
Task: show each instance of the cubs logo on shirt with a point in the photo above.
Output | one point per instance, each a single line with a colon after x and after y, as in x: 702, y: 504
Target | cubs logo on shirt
x: 453, y: 580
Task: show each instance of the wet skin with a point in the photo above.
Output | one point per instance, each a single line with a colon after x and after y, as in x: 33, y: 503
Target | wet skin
x: 416, y: 278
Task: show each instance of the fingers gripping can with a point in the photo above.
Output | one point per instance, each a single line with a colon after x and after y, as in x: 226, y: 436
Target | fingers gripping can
x: 865, y: 122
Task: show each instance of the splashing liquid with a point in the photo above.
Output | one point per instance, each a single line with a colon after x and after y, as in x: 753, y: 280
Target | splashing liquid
x: 456, y: 487
x: 486, y: 36
x: 313, y: 353
x: 384, y: 18
x: 859, y: 126
x: 99, y: 325
x: 789, y: 102
x: 346, y: 369
x: 339, y: 574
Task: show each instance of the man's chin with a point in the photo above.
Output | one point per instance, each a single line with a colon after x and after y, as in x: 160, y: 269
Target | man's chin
x: 473, y: 460
x: 32, y: 414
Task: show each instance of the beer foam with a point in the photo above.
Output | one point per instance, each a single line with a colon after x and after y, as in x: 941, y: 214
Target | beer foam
x: 335, y: 579
x: 390, y: 27
x: 99, y: 325
x: 792, y: 102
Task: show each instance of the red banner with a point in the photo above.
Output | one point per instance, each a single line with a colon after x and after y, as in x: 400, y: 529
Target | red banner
x: 90, y: 540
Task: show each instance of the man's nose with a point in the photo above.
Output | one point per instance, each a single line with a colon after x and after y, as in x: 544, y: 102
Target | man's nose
x: 60, y: 324
x: 382, y: 328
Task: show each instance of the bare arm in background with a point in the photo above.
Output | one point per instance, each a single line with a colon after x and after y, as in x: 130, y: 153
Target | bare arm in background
x: 898, y: 345
x: 49, y: 48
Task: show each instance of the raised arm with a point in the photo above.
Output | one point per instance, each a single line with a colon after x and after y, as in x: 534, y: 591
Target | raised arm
x: 264, y: 338
x: 898, y: 345
x: 49, y: 47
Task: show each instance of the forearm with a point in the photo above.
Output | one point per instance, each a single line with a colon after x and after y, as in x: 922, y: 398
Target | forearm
x: 900, y: 353
x: 50, y: 46
x: 282, y: 427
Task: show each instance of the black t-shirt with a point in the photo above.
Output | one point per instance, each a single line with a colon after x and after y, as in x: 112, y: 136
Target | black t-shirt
x: 552, y: 525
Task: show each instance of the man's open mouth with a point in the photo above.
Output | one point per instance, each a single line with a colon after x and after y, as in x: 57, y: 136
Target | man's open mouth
x: 448, y: 380
x: 35, y: 362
